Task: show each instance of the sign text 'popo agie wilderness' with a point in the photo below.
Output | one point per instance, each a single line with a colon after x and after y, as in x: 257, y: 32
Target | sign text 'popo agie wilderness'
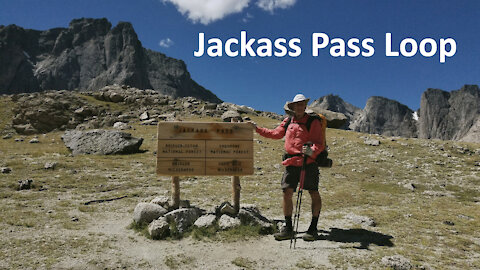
x: 196, y: 148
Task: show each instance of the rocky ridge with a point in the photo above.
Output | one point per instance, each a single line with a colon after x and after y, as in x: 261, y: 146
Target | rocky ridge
x: 442, y: 115
x: 111, y: 106
x: 89, y: 55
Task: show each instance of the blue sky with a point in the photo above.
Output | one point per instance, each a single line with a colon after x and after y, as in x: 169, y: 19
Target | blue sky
x: 172, y: 27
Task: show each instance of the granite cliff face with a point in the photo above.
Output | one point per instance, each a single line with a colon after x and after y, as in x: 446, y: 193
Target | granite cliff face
x: 387, y: 117
x: 442, y: 115
x: 451, y: 115
x: 89, y: 55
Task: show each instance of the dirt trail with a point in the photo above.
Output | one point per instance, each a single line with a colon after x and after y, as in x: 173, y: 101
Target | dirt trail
x: 131, y: 250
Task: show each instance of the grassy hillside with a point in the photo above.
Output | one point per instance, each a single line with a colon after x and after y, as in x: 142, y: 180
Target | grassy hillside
x: 434, y: 225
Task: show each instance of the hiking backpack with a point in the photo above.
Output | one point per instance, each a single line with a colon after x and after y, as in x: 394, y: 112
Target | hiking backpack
x: 322, y: 159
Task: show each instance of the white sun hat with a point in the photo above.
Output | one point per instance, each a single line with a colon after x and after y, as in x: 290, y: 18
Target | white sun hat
x: 297, y: 98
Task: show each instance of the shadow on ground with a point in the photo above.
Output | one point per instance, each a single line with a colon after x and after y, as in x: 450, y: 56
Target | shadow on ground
x: 364, y: 237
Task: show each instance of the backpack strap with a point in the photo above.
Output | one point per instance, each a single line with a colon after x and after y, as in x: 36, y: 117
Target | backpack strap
x: 287, y: 123
x: 310, y: 120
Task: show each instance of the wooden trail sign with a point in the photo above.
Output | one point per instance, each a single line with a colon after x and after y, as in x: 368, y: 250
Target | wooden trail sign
x: 196, y: 148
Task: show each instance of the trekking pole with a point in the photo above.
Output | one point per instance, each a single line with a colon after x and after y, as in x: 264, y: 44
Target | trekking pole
x: 296, y: 217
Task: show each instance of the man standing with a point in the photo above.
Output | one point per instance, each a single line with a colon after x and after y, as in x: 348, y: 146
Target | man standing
x: 297, y: 135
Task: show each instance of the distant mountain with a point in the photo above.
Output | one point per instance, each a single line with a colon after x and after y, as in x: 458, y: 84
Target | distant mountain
x: 451, y: 115
x: 89, y: 55
x: 442, y: 115
x: 385, y: 116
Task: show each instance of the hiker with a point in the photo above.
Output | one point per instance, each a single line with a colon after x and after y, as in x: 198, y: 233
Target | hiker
x: 296, y: 136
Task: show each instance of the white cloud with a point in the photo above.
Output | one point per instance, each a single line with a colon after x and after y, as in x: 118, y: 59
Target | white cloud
x: 207, y: 11
x: 271, y: 5
x: 166, y: 43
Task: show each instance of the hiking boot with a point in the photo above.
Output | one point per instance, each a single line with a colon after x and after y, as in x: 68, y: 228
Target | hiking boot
x: 285, y: 235
x: 310, y: 235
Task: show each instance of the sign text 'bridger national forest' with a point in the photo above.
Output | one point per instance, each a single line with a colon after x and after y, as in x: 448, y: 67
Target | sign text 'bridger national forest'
x: 195, y: 148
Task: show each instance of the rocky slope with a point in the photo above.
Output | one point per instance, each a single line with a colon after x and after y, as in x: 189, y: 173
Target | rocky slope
x: 89, y: 55
x: 399, y: 197
x: 48, y: 111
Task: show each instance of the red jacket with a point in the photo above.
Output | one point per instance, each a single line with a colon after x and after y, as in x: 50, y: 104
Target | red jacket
x: 296, y: 136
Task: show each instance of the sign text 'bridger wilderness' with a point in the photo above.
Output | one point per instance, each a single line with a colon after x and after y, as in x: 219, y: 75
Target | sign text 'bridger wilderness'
x: 194, y: 148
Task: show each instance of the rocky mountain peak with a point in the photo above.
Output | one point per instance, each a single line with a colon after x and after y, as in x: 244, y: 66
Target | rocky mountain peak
x: 442, y: 115
x: 334, y: 103
x: 89, y: 55
x: 385, y: 116
x: 472, y: 89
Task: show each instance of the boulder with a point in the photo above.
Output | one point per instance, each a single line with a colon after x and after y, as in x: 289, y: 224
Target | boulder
x: 163, y: 201
x: 244, y: 109
x: 183, y: 218
x: 85, y: 111
x: 102, y: 142
x: 150, y: 122
x: 334, y: 103
x: 372, y: 142
x: 159, y: 228
x: 25, y: 184
x: 187, y: 105
x: 363, y: 220
x: 209, y: 106
x: 144, y: 116
x: 168, y: 117
x: 229, y: 115
x: 334, y: 119
x: 397, y: 262
x: 50, y: 165
x: 121, y: 126
x: 410, y: 186
x: 145, y: 213
x: 26, y: 129
x: 251, y: 216
x: 226, y: 222
x: 116, y: 97
x: 205, y: 221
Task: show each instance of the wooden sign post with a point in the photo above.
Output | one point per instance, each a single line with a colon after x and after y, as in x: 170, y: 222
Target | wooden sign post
x: 196, y: 148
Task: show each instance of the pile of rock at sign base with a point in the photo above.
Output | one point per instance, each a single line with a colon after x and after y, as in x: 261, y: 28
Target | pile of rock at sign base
x: 161, y: 217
